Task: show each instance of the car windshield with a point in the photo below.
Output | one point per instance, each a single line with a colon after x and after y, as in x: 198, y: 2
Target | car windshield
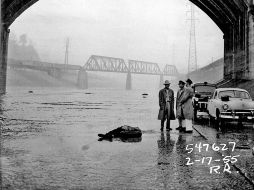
x: 234, y: 94
x: 204, y: 89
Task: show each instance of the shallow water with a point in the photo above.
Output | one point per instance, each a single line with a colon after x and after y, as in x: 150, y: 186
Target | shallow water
x: 50, y: 137
x: 49, y: 140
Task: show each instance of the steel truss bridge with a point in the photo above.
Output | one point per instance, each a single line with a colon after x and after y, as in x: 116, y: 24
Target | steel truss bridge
x: 111, y: 64
x: 118, y: 65
x: 235, y: 18
x: 101, y: 64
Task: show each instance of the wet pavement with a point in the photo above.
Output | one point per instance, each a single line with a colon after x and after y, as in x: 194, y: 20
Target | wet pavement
x: 243, y: 136
x: 44, y: 145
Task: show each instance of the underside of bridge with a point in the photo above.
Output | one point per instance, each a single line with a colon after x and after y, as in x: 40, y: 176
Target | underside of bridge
x: 234, y: 18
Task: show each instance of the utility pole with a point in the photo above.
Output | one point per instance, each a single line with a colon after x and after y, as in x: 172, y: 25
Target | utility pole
x: 66, y: 58
x: 192, y: 60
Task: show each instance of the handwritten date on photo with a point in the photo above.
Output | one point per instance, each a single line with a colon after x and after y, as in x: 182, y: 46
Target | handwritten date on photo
x: 208, y: 160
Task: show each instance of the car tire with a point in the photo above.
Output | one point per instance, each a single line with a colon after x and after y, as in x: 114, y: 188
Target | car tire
x: 219, y: 124
x: 211, y: 119
x: 240, y: 124
x: 195, y: 115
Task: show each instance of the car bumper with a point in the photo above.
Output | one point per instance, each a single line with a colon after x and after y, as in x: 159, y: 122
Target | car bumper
x: 237, y: 117
x: 202, y: 114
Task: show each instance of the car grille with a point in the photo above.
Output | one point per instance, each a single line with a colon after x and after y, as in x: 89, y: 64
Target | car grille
x: 203, y: 99
x: 202, y: 105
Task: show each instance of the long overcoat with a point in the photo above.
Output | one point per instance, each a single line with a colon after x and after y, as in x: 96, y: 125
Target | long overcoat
x: 179, y: 97
x: 186, y: 103
x: 162, y: 104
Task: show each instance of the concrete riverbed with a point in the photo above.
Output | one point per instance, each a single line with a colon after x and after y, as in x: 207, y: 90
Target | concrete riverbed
x: 49, y: 141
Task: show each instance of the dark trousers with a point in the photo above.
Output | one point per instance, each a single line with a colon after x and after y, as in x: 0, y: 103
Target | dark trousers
x: 166, y: 117
x: 168, y: 124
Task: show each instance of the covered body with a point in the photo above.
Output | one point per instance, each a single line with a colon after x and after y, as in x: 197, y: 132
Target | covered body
x: 123, y: 132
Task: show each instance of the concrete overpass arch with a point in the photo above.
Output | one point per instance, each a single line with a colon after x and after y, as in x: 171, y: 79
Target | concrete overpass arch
x: 233, y: 17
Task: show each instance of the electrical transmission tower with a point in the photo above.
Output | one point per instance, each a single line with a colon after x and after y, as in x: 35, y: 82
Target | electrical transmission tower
x: 192, y: 61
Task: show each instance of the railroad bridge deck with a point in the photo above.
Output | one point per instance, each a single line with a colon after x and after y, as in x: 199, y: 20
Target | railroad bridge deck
x: 99, y: 64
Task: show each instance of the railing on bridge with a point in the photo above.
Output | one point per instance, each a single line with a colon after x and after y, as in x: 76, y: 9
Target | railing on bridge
x: 106, y: 64
x: 39, y: 65
x: 141, y: 67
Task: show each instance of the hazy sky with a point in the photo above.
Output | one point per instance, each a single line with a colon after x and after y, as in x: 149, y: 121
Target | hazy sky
x: 130, y: 29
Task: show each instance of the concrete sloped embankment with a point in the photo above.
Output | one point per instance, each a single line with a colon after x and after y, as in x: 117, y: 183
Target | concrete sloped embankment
x: 32, y: 78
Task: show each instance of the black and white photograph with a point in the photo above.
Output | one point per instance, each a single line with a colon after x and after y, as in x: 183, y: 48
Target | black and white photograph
x: 127, y: 95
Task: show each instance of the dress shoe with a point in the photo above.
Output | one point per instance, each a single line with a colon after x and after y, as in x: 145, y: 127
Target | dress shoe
x: 169, y: 129
x: 161, y: 128
x: 179, y: 128
x: 189, y: 131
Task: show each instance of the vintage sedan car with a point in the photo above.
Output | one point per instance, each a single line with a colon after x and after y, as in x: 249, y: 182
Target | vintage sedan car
x: 202, y: 93
x: 231, y: 104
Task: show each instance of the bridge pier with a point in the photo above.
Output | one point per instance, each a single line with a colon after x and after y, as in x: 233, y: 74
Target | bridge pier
x: 251, y: 41
x: 161, y: 81
x: 82, y: 79
x: 3, y: 56
x: 128, y: 81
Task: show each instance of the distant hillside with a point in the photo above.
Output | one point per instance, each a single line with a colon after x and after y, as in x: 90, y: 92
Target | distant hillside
x: 211, y: 73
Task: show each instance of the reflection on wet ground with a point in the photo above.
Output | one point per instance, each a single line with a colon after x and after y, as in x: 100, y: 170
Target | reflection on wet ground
x: 241, y: 135
x: 176, y: 174
x: 48, y: 143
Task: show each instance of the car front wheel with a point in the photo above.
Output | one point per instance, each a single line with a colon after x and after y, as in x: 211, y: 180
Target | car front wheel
x: 220, y: 123
x: 195, y: 115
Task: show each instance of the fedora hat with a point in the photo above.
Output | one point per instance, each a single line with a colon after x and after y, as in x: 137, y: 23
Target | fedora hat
x: 166, y: 82
x: 181, y: 82
x: 189, y: 81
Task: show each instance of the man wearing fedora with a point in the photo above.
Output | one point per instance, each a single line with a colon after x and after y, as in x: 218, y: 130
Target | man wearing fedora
x: 179, y: 109
x: 187, y: 107
x: 166, y: 103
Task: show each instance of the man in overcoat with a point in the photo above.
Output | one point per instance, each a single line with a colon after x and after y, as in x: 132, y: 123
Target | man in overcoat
x: 179, y: 110
x: 187, y: 107
x: 166, y: 103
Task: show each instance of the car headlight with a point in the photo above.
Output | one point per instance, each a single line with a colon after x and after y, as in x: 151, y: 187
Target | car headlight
x: 225, y: 106
x: 196, y: 99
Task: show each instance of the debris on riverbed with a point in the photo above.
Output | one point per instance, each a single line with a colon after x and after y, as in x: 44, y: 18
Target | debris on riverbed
x: 125, y: 132
x: 145, y: 95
